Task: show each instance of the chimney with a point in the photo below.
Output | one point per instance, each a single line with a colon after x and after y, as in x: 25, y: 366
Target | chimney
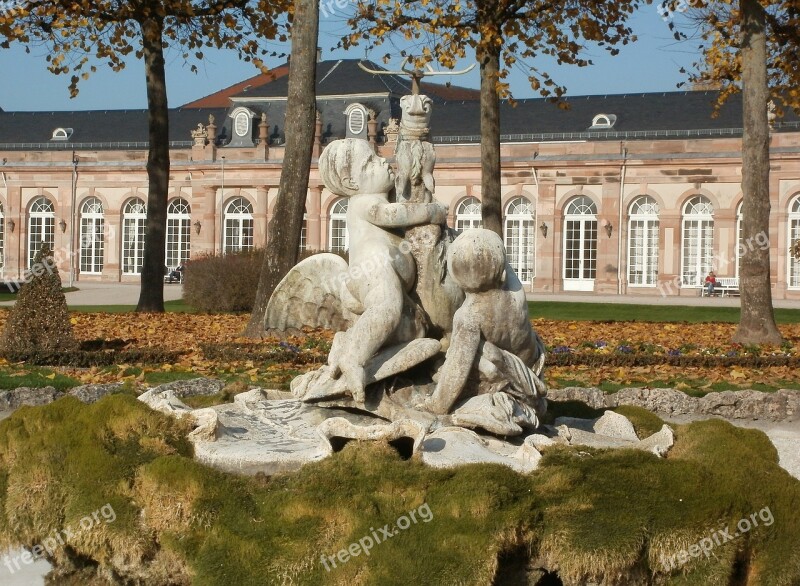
x: 319, y: 54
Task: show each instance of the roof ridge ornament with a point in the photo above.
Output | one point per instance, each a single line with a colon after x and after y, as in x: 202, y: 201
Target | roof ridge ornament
x: 415, y: 74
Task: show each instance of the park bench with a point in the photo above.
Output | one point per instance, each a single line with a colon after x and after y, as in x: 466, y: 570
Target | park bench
x: 173, y: 275
x: 726, y: 286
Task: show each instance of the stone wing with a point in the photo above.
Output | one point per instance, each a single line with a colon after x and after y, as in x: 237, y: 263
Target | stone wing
x: 309, y: 296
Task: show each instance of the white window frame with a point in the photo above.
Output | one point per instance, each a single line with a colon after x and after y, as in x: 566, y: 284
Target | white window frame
x: 304, y: 233
x: 468, y: 214
x: 697, y: 241
x: 520, y: 238
x: 179, y: 232
x: 580, y: 236
x: 92, y: 244
x: 643, y: 242
x: 338, y: 233
x: 134, y: 232
x: 239, y: 226
x: 41, y: 226
x: 793, y: 233
x: 739, y: 228
x: 350, y: 112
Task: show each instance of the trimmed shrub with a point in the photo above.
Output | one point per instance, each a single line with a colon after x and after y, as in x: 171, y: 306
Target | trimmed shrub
x: 225, y: 282
x: 39, y: 321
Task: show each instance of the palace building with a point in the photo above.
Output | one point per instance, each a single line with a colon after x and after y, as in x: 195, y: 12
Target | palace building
x: 636, y: 194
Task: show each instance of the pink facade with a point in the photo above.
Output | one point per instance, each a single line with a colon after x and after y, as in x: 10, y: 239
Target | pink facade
x: 580, y: 230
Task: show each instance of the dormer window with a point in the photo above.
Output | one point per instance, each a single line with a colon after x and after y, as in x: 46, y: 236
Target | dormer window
x: 603, y: 121
x: 62, y: 134
x: 356, y: 121
x: 241, y: 127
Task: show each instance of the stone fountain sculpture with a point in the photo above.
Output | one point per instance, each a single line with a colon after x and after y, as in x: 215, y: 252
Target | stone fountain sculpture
x: 432, y: 342
x: 435, y: 324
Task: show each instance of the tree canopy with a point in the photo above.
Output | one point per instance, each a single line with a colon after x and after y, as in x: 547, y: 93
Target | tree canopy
x: 517, y: 30
x: 719, y: 26
x: 79, y: 32
x: 503, y: 34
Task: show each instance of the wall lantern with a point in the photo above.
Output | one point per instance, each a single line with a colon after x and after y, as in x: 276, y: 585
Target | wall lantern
x: 608, y: 227
x: 197, y: 226
x: 543, y: 228
x: 63, y: 225
x: 11, y: 225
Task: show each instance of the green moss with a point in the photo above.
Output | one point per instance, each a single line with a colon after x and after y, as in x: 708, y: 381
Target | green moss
x: 644, y: 422
x: 588, y: 512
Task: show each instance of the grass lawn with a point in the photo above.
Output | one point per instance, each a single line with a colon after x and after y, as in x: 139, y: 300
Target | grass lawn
x: 14, y: 376
x: 650, y: 313
x: 176, y: 306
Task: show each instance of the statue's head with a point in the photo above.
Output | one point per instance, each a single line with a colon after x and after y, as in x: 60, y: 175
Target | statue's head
x: 476, y: 260
x: 416, y: 111
x: 350, y: 167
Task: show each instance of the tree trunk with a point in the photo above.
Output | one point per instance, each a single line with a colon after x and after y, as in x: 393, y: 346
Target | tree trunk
x: 287, y: 223
x: 757, y: 321
x: 151, y: 295
x: 489, y: 60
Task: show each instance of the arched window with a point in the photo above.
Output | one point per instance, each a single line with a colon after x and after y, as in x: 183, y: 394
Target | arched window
x: 643, y: 242
x: 134, y: 228
x: 179, y: 232
x: 41, y: 226
x: 238, y: 225
x: 304, y: 233
x: 92, y: 236
x: 697, y: 241
x: 794, y: 236
x: 739, y: 240
x: 338, y: 236
x: 580, y: 244
x: 520, y: 229
x: 468, y: 214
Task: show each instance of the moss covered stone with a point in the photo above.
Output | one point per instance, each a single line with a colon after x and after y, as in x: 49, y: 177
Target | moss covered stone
x: 39, y: 321
x: 592, y: 516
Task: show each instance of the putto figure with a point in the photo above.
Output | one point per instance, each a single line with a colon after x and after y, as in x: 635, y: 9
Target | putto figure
x: 394, y: 322
x: 381, y: 272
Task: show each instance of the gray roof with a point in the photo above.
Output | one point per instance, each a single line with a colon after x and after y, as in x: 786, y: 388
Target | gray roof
x: 455, y: 114
x: 645, y: 114
x: 97, y: 127
x: 338, y: 77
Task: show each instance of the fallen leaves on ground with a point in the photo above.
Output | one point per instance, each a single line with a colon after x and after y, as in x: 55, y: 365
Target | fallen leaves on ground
x: 187, y: 332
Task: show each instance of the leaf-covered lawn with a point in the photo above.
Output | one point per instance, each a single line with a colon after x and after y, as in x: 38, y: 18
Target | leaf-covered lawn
x: 271, y: 362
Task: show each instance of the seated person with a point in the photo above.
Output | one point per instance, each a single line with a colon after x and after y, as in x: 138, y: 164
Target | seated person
x: 381, y: 271
x: 711, y: 282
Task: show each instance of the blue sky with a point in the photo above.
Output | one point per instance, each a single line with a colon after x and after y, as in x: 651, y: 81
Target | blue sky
x: 651, y: 64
